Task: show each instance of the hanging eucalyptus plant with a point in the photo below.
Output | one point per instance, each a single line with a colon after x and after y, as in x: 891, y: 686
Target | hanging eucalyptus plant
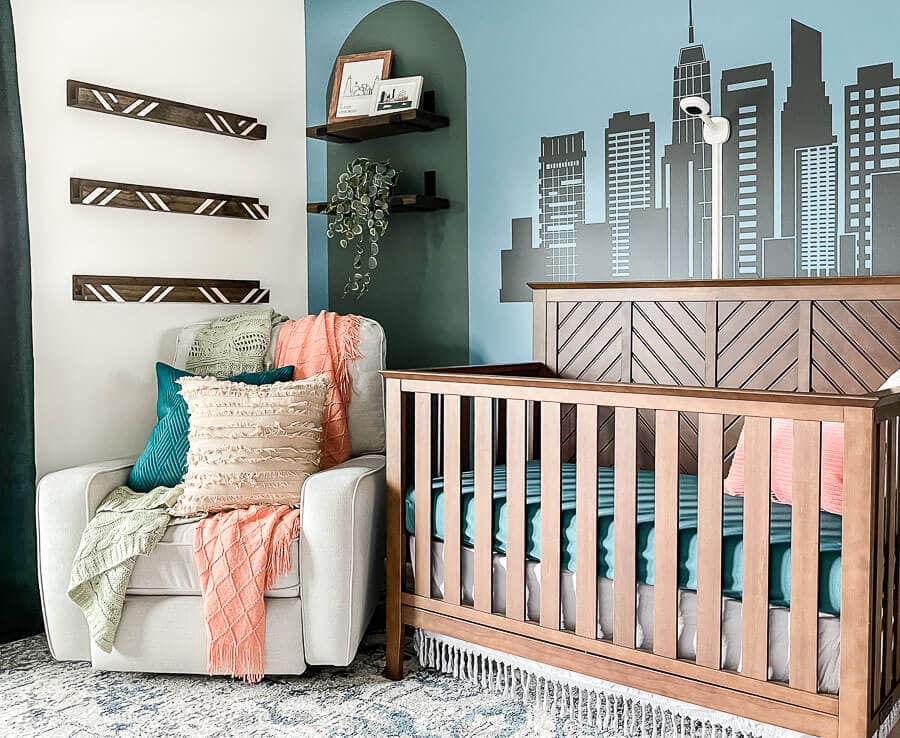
x: 359, y: 211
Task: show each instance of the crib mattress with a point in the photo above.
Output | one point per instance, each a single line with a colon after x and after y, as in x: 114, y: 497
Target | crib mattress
x: 828, y: 662
x: 732, y: 532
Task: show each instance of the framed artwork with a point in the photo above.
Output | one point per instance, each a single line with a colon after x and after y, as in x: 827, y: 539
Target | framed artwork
x: 394, y: 95
x: 355, y: 77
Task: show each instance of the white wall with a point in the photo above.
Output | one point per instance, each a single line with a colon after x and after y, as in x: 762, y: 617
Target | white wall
x: 94, y: 363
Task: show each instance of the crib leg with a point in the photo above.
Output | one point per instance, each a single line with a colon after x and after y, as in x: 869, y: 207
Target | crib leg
x: 393, y: 647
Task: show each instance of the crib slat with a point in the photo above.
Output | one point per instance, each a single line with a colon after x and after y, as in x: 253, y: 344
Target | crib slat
x: 755, y: 616
x: 891, y: 533
x: 665, y: 589
x: 805, y: 556
x: 710, y: 460
x: 423, y: 494
x: 550, y: 513
x: 880, y: 564
x: 452, y: 483
x: 895, y: 542
x: 586, y: 523
x: 515, y: 509
x: 484, y: 482
x: 625, y: 517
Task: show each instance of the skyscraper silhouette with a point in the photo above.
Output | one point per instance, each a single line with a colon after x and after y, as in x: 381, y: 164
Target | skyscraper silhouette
x: 805, y: 117
x: 630, y: 180
x: 687, y: 166
x: 561, y: 190
x: 749, y: 163
x: 872, y: 149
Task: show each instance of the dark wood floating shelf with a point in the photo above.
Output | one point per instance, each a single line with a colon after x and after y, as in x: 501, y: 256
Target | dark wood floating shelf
x: 94, y: 288
x: 392, y: 124
x: 416, y: 203
x: 398, y: 204
x: 99, y: 193
x: 137, y: 105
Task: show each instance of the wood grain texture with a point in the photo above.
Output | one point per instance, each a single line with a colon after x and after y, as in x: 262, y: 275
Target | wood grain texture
x: 141, y: 106
x: 515, y: 509
x: 880, y: 563
x: 586, y: 523
x: 484, y: 514
x: 755, y: 611
x: 804, y: 625
x: 625, y: 512
x: 154, y: 199
x: 551, y: 499
x: 423, y: 524
x: 709, y: 541
x: 452, y: 499
x: 394, y: 438
x: 665, y: 557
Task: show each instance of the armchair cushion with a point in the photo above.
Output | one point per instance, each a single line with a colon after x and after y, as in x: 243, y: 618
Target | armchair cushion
x: 163, y: 463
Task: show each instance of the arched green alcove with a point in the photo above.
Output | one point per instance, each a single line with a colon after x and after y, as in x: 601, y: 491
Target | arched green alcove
x: 420, y: 289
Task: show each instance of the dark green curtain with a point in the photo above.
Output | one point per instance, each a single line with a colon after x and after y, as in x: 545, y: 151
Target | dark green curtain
x: 20, y: 609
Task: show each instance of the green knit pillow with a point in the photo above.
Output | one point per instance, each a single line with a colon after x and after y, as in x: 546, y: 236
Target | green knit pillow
x: 163, y: 463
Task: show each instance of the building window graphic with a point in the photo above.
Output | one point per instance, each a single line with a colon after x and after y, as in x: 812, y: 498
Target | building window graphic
x: 877, y: 122
x: 817, y: 211
x: 561, y: 189
x: 630, y: 181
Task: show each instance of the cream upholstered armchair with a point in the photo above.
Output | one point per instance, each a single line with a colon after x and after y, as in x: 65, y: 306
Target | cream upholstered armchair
x: 315, y: 614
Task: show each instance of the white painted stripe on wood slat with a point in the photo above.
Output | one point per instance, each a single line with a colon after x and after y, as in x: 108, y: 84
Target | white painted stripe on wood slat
x: 206, y: 294
x: 93, y: 195
x: 218, y: 293
x: 162, y: 295
x: 262, y: 212
x: 226, y: 124
x: 110, y: 197
x: 112, y: 293
x: 149, y: 109
x: 159, y: 201
x: 145, y: 200
x: 246, y: 298
x: 113, y: 97
x: 149, y: 294
x: 205, y: 204
x: 96, y: 293
x: 102, y: 100
x: 217, y: 208
x: 250, y: 211
x: 249, y: 128
x: 261, y: 296
x: 136, y: 104
x: 214, y: 122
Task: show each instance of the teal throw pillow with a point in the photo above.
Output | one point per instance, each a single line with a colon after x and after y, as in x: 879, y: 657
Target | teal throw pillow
x: 163, y: 463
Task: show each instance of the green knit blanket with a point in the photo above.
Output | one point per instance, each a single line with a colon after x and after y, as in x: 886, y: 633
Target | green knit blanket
x: 235, y: 344
x: 127, y: 525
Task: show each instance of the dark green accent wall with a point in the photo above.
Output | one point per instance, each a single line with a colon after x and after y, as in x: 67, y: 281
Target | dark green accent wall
x: 420, y: 289
x: 20, y: 612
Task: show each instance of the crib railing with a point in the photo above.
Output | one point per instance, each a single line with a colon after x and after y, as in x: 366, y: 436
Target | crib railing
x: 435, y: 418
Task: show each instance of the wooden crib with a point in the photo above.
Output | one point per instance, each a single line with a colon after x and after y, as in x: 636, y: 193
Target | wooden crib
x: 664, y: 376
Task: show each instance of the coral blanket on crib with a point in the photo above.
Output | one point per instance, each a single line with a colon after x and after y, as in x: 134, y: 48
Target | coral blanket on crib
x: 326, y: 343
x: 239, y: 555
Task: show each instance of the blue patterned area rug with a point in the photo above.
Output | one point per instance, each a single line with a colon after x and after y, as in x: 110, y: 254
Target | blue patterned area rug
x: 43, y: 697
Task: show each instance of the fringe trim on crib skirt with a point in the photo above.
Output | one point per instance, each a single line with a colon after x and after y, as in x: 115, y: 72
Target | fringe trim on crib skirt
x: 616, y: 710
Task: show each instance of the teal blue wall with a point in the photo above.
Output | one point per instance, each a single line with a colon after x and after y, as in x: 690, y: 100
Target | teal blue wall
x: 541, y: 69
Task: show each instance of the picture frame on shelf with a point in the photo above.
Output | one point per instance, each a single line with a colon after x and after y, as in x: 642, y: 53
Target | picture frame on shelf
x: 397, y: 95
x: 355, y: 78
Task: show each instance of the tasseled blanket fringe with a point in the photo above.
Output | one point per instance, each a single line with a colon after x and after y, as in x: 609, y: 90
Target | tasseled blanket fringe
x: 611, y: 708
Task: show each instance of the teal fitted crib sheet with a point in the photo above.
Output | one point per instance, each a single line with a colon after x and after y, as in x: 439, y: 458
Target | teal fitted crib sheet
x: 732, y: 531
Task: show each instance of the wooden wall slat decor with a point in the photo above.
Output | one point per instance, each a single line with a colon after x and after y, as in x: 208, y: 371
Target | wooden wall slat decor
x: 422, y: 462
x: 665, y: 577
x: 139, y: 106
x: 150, y: 290
x: 452, y: 499
x: 805, y: 556
x: 625, y: 514
x: 709, y: 541
x: 551, y: 501
x: 586, y: 523
x: 755, y: 614
x: 515, y: 509
x: 484, y: 487
x: 100, y: 193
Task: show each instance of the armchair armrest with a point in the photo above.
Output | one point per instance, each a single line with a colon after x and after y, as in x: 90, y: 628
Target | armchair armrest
x: 66, y: 501
x: 342, y: 522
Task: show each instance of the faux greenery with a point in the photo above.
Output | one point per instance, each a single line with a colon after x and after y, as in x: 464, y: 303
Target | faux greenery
x: 359, y: 211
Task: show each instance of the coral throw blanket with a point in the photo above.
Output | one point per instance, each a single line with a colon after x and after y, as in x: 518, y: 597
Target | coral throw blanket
x: 326, y: 343
x: 239, y: 556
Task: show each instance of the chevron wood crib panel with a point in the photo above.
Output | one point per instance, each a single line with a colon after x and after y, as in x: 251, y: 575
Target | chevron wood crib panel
x: 100, y: 193
x: 113, y: 289
x: 139, y: 106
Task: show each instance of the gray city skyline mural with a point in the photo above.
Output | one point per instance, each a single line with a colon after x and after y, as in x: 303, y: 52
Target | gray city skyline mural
x: 658, y: 211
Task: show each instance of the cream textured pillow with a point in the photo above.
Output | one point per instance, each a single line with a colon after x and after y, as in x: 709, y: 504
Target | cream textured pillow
x: 250, y: 445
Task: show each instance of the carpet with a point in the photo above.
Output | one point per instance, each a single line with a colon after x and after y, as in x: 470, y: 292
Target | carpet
x: 43, y: 697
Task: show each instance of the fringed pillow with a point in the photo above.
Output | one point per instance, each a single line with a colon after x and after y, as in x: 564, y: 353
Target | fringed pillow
x: 250, y: 445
